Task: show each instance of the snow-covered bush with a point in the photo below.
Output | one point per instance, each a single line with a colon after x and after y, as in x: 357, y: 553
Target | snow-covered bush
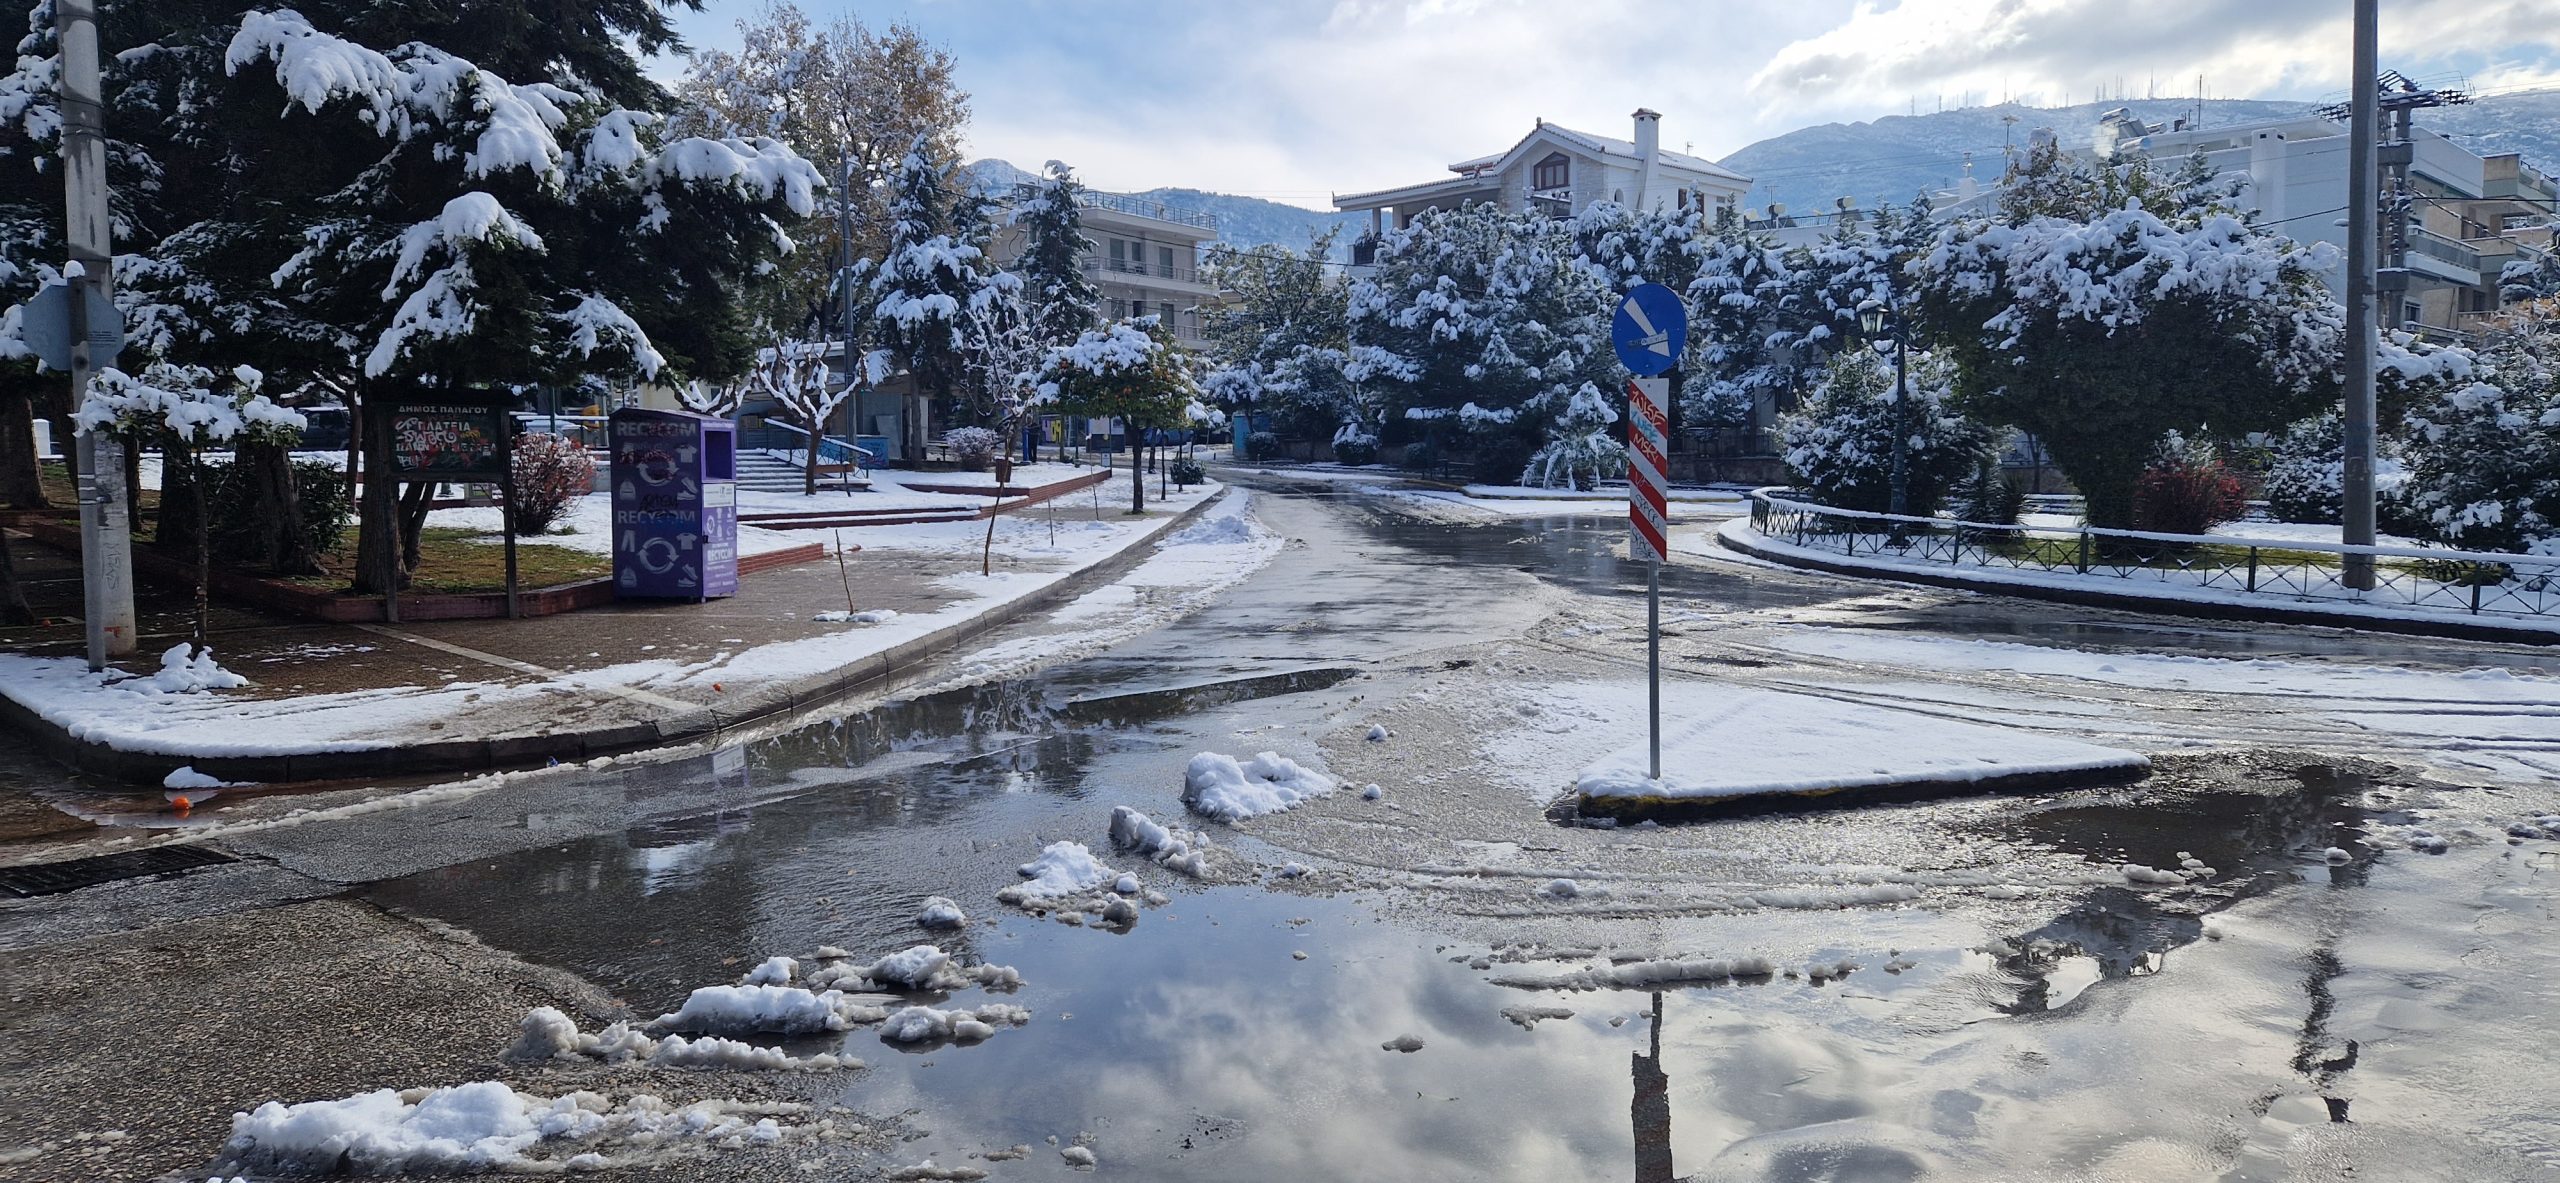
x: 1356, y: 450
x: 1839, y: 443
x: 973, y: 446
x: 551, y: 473
x: 2484, y: 457
x: 1187, y: 472
x: 1262, y: 447
x: 2106, y: 306
x: 2187, y: 490
x: 1580, y: 451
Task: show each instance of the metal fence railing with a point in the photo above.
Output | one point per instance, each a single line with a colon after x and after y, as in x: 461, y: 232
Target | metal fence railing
x: 2406, y: 580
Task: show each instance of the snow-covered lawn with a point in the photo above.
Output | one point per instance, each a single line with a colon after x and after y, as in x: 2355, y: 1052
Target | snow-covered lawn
x: 588, y: 527
x: 1732, y: 741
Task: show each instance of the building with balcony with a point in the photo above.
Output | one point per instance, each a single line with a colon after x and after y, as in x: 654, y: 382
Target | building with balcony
x: 1143, y: 258
x: 1559, y: 171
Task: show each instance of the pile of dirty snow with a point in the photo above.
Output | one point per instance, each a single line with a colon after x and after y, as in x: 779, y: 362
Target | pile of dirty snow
x: 1063, y: 869
x: 486, y: 1126
x: 1182, y: 851
x: 1217, y: 786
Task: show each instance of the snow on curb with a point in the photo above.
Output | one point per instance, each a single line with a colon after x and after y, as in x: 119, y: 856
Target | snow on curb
x: 1722, y: 742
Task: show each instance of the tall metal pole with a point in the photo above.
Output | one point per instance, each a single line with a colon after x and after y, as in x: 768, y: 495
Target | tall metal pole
x: 106, y: 537
x: 1901, y: 495
x: 1653, y: 664
x: 2360, y: 343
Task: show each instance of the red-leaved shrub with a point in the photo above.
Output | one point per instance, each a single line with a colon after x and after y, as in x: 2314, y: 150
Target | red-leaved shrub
x: 552, y: 471
x: 2187, y: 494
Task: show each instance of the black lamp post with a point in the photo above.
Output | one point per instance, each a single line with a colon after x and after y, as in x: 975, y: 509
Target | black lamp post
x: 1878, y: 320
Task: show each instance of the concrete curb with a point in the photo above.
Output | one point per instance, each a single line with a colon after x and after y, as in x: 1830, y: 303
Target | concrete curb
x: 2463, y: 629
x: 492, y: 754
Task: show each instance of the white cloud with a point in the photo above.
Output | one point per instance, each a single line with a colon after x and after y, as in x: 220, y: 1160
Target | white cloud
x: 1297, y: 99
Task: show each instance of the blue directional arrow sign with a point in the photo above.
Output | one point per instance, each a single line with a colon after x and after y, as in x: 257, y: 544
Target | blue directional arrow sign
x: 1650, y: 330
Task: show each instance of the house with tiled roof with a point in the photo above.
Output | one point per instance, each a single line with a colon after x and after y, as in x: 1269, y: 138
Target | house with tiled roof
x: 1560, y: 171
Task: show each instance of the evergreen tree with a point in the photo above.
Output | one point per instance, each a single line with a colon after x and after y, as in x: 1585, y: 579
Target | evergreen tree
x: 1059, y: 302
x: 1624, y: 247
x: 927, y: 285
x: 1477, y: 323
x: 1748, y: 329
x: 2484, y: 450
x: 1839, y: 444
x: 1279, y: 342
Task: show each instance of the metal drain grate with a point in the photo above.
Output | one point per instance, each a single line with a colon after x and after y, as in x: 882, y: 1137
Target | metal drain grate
x: 51, y: 878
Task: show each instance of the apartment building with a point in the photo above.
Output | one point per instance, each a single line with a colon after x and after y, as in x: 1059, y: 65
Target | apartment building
x: 1560, y: 171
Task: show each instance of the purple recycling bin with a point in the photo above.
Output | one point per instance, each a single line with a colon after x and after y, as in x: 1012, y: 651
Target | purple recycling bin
x: 675, y: 505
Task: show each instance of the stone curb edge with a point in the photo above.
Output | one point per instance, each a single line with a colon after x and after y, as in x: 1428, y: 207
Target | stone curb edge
x: 494, y: 754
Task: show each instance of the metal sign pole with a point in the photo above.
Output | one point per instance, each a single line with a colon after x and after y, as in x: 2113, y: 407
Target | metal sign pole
x: 1650, y: 332
x: 1653, y: 661
x: 106, y: 537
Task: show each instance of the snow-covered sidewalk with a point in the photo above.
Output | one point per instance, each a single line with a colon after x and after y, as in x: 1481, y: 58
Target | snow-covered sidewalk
x: 643, y: 672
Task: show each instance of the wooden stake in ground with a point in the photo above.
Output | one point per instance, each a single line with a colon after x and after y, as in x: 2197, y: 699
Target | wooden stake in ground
x: 844, y: 575
x: 1004, y: 477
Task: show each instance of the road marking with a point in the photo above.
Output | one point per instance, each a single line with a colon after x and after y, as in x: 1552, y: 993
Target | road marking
x: 546, y: 673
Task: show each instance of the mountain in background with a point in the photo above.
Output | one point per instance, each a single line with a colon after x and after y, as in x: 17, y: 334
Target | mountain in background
x: 1893, y: 158
x: 1242, y: 221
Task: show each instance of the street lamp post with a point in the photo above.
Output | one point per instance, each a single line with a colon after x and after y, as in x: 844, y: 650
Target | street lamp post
x: 1877, y: 320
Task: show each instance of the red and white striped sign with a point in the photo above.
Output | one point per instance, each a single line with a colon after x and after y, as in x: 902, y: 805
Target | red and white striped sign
x: 1647, y: 441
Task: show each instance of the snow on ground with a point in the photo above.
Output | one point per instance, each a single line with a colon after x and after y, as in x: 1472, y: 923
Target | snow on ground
x: 2512, y: 717
x: 548, y: 1034
x: 1483, y: 502
x: 2262, y: 530
x: 1217, y: 551
x: 1222, y: 788
x: 588, y: 527
x: 485, y: 1126
x: 1726, y: 741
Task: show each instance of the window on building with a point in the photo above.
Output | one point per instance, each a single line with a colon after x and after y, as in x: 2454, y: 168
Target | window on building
x: 1164, y: 261
x: 1119, y: 255
x: 1554, y: 172
x: 1164, y: 312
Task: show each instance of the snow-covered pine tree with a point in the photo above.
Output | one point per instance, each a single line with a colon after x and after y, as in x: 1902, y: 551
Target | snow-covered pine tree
x: 2484, y: 454
x: 1477, y: 323
x: 1059, y: 302
x: 1751, y: 339
x: 365, y: 199
x: 926, y: 285
x: 1278, y: 344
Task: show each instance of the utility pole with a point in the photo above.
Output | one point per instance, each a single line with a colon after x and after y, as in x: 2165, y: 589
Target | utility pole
x: 2361, y: 340
x: 106, y: 533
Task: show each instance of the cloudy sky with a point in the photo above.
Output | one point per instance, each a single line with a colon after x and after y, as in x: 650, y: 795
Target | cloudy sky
x: 1297, y: 99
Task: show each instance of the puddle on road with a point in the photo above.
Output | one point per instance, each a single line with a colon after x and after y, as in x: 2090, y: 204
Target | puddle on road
x: 1197, y: 1044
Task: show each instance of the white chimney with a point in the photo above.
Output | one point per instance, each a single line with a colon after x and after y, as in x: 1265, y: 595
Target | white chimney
x: 1648, y: 153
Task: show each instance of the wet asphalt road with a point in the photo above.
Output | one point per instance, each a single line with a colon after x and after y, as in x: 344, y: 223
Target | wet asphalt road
x: 2019, y: 1008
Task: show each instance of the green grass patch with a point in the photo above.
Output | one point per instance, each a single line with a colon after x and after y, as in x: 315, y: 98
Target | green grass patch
x: 454, y: 560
